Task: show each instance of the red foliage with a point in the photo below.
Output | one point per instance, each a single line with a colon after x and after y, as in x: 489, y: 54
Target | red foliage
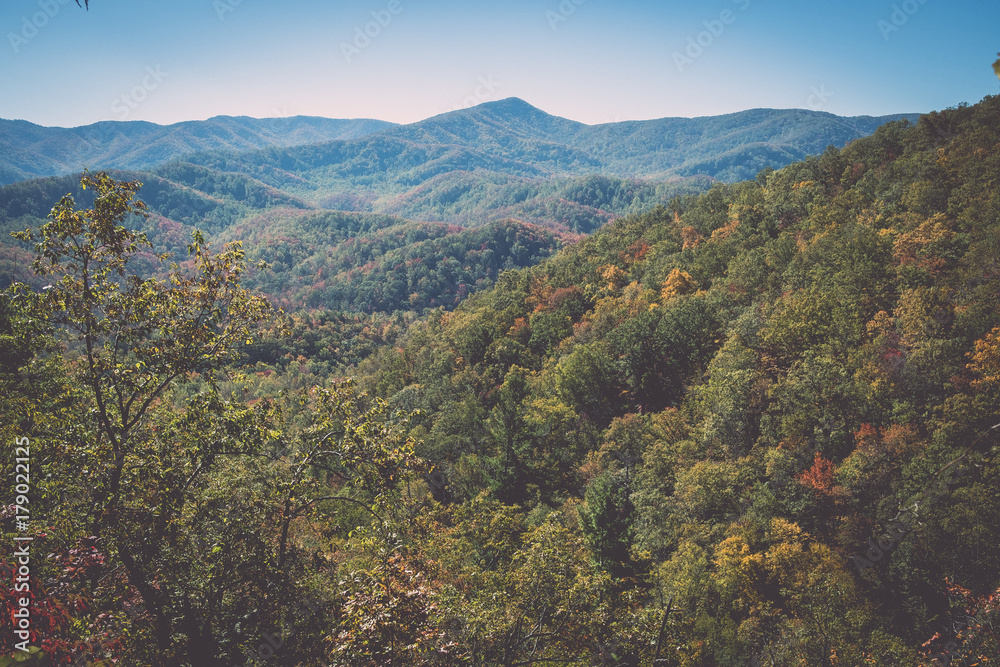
x: 635, y: 252
x: 866, y: 437
x: 897, y: 440
x: 55, y: 607
x: 520, y: 331
x: 819, y: 476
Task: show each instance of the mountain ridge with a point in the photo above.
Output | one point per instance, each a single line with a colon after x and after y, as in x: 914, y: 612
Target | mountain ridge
x: 30, y: 151
x: 501, y: 159
x: 510, y: 129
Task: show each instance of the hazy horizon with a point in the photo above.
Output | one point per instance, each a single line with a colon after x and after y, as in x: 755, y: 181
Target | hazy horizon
x: 399, y: 61
x: 198, y: 120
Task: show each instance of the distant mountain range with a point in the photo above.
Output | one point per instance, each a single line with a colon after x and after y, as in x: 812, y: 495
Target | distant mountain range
x: 29, y: 151
x: 329, y: 202
x: 509, y: 136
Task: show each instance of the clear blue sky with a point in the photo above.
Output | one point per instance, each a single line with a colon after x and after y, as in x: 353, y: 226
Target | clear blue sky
x: 590, y: 60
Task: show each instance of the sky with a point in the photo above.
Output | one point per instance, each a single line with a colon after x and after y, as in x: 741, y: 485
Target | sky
x: 593, y: 61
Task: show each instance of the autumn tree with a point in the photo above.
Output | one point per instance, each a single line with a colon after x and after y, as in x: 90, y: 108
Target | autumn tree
x: 139, y: 458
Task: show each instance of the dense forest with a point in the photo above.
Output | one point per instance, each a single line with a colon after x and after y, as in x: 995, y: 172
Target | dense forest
x: 753, y: 426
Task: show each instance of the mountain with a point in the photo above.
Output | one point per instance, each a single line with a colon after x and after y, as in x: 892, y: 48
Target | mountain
x: 514, y: 138
x: 507, y: 158
x: 755, y: 426
x: 498, y: 161
x: 30, y: 150
x: 730, y: 147
x: 509, y: 136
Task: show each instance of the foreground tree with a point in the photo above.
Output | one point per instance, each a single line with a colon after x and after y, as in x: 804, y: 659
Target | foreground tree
x: 132, y: 461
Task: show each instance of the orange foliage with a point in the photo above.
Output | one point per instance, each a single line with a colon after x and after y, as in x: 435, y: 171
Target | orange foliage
x: 591, y: 468
x: 819, y: 476
x: 723, y: 233
x: 897, y: 440
x: 541, y: 291
x: 520, y: 331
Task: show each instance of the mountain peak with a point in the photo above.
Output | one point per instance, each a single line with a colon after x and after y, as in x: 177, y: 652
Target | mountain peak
x: 511, y: 105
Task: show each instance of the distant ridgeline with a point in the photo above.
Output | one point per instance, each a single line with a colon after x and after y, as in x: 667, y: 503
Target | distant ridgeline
x: 261, y: 179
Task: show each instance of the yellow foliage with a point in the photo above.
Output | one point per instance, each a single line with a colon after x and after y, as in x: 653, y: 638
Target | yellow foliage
x: 738, y: 567
x: 677, y: 283
x: 636, y: 298
x: 615, y: 277
x: 986, y: 361
x: 921, y: 313
x: 920, y: 245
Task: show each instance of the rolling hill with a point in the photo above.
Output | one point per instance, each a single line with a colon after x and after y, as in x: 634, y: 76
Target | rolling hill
x: 29, y: 151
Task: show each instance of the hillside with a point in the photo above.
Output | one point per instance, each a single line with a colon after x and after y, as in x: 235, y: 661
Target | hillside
x: 732, y: 401
x: 367, y: 263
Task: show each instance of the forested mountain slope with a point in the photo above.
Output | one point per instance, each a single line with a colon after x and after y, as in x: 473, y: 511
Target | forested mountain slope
x: 327, y: 260
x: 733, y: 400
x: 372, y: 263
x: 727, y: 147
x: 510, y: 136
x: 496, y: 161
